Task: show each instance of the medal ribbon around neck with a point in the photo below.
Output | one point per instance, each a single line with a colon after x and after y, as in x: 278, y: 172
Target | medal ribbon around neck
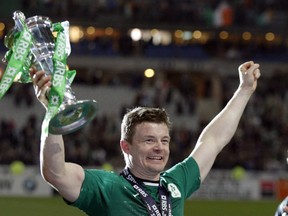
x: 150, y: 203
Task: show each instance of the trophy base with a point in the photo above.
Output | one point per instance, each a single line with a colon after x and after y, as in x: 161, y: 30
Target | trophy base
x: 73, y: 117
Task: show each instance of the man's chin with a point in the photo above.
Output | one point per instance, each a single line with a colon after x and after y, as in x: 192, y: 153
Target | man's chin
x: 157, y: 168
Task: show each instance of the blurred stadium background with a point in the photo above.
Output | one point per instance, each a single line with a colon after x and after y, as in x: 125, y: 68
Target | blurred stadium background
x: 178, y: 54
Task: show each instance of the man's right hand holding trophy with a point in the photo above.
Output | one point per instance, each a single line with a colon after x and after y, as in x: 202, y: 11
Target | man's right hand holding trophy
x: 33, y: 47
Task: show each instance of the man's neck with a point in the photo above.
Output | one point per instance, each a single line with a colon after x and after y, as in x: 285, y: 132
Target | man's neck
x: 144, y: 177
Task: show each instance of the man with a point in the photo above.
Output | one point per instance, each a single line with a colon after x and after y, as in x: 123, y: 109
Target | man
x: 143, y: 187
x: 282, y: 209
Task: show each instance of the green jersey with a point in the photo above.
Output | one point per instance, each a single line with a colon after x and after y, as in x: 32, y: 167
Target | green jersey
x: 106, y: 193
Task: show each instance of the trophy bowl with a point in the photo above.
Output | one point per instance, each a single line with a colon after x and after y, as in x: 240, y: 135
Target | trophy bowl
x: 72, y: 114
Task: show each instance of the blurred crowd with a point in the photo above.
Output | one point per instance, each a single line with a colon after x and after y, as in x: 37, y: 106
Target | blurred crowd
x: 239, y: 15
x: 260, y: 142
x: 261, y: 139
x: 255, y: 16
x: 193, y: 12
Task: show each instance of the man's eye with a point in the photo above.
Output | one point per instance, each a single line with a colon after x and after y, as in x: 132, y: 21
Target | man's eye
x: 149, y: 141
x: 165, y: 142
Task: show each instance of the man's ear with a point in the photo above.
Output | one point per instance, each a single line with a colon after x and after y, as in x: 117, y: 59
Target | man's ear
x: 124, y: 146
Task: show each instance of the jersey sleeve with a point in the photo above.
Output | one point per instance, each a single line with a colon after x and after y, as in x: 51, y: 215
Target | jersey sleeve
x: 185, y: 175
x: 94, y: 193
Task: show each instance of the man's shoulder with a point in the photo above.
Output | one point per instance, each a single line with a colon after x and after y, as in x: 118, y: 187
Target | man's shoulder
x: 97, y: 177
x: 188, y: 163
x: 101, y: 172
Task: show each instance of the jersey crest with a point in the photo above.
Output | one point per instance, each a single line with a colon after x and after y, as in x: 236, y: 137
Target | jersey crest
x: 175, y: 193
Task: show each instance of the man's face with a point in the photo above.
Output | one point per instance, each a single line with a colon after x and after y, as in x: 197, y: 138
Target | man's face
x: 149, y: 150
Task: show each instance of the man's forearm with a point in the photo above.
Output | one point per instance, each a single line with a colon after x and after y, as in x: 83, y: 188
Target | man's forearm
x: 222, y: 128
x: 52, y: 157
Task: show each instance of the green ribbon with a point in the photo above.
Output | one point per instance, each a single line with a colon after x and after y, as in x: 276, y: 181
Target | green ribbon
x: 60, y: 76
x: 18, y: 61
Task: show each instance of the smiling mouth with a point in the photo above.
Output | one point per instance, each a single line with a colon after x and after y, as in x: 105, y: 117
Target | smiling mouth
x: 155, y: 158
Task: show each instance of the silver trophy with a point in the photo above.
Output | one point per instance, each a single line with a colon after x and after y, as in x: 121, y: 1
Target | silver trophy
x: 72, y: 114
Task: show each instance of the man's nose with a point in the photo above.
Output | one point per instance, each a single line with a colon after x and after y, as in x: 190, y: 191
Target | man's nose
x: 158, y: 145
